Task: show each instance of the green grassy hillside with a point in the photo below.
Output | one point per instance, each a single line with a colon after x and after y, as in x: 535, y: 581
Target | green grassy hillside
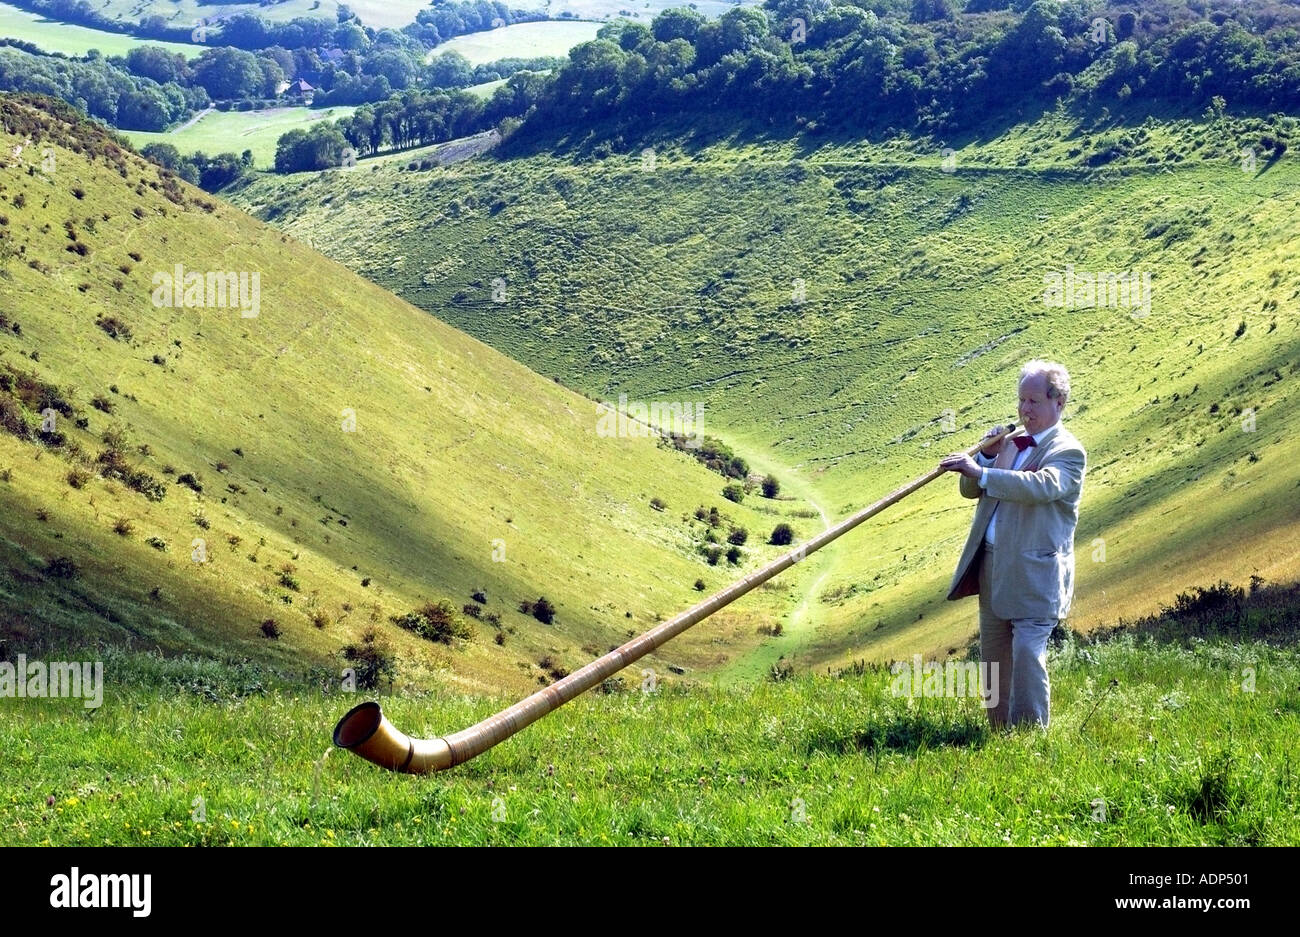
x: 1153, y: 742
x: 852, y: 311
x: 342, y: 456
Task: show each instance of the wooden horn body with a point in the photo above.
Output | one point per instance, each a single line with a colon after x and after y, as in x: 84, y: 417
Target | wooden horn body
x: 365, y: 731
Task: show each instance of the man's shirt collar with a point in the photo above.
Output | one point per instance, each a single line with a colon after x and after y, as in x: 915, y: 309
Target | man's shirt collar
x: 1045, y: 435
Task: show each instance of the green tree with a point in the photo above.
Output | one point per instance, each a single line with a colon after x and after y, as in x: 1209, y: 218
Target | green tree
x: 677, y: 23
x: 448, y: 70
x: 144, y: 109
x: 396, y: 66
x: 321, y: 147
x: 228, y: 73
x: 157, y: 63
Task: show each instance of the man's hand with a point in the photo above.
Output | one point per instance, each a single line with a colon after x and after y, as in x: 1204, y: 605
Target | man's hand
x: 961, y: 462
x: 993, y: 432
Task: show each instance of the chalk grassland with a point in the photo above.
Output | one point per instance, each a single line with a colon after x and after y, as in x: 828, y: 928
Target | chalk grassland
x: 522, y: 40
x: 347, y: 457
x: 235, y: 131
x: 1151, y: 743
x: 853, y: 312
x: 70, y: 39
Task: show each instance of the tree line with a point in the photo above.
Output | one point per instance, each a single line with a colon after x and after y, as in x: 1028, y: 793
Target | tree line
x: 809, y: 66
x: 923, y: 65
x: 249, y: 31
x: 414, y: 118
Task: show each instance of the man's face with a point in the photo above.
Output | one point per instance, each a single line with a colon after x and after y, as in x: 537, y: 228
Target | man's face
x: 1037, y: 410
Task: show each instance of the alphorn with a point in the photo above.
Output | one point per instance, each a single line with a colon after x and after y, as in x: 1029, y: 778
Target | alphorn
x: 368, y: 733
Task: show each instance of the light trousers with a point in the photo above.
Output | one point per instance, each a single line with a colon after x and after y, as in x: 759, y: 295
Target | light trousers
x: 1019, y: 646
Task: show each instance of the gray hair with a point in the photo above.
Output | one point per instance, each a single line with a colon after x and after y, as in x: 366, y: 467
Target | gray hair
x: 1058, y: 379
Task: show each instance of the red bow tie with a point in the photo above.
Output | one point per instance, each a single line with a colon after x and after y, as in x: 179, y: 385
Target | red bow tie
x: 1023, y: 442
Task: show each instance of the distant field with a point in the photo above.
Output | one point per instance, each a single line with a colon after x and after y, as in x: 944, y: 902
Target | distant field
x: 54, y: 36
x: 236, y: 131
x: 377, y: 13
x: 486, y: 89
x: 524, y: 40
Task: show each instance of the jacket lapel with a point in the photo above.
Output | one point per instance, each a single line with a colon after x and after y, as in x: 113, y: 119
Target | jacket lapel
x: 1036, y: 457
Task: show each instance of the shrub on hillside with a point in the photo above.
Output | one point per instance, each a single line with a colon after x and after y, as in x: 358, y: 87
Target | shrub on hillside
x: 62, y: 567
x: 147, y: 485
x: 11, y: 419
x: 372, y: 659
x: 543, y: 611
x: 435, y: 621
x: 734, y: 492
x: 112, y: 464
x: 114, y: 327
x: 771, y: 487
x: 1222, y: 600
x: 35, y: 394
x: 782, y: 535
x: 714, y: 453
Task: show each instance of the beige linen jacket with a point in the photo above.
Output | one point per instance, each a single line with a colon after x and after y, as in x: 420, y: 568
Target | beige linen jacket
x: 1032, y: 575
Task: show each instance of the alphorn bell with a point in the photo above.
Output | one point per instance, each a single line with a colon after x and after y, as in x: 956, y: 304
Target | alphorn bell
x: 367, y: 732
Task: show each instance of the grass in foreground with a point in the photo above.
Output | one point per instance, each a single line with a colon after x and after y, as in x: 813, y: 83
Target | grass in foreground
x: 1185, y: 741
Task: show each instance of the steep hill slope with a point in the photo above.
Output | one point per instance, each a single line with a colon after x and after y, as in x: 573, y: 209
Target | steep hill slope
x: 850, y: 313
x: 321, y: 455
